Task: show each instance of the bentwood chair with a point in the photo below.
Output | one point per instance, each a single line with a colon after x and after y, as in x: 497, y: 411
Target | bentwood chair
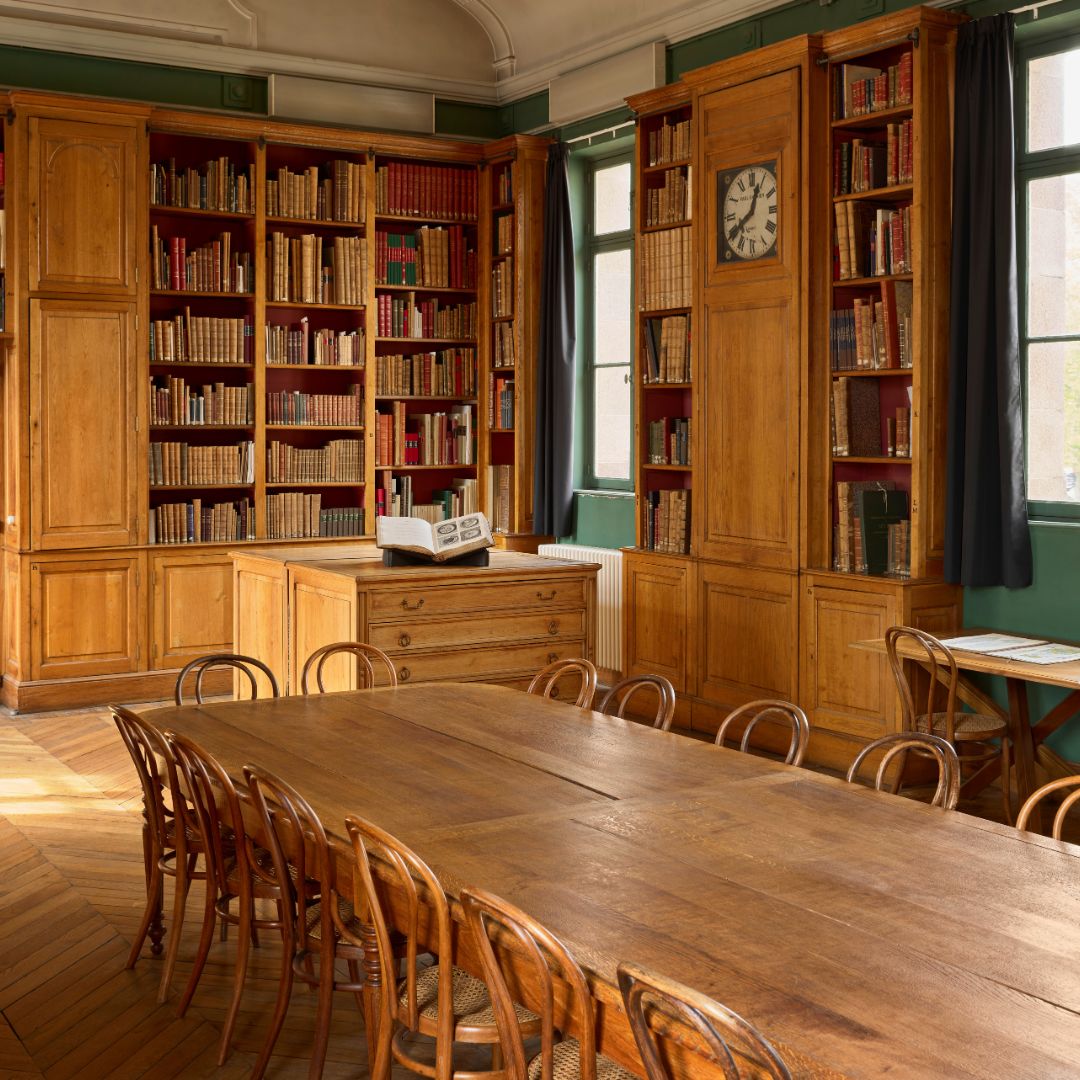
x: 202, y: 664
x: 1066, y: 804
x: 969, y: 733
x: 442, y: 1002
x: 323, y: 927
x: 621, y: 693
x: 237, y: 868
x: 367, y: 658
x: 545, y: 681
x: 947, y: 793
x: 651, y: 1000
x: 172, y: 838
x: 537, y: 954
x: 781, y: 712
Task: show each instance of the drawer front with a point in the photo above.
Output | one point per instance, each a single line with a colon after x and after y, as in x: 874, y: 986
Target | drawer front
x: 542, y: 594
x: 512, y: 661
x: 402, y: 638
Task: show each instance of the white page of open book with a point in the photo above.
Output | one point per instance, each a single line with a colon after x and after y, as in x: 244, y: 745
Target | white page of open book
x: 989, y: 643
x: 403, y: 532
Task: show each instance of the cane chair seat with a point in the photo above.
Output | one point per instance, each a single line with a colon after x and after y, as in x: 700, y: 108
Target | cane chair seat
x: 352, y: 924
x: 974, y: 726
x: 471, y: 1002
x: 566, y: 1064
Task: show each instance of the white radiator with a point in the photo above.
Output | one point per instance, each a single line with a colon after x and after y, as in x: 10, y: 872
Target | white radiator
x: 608, y: 596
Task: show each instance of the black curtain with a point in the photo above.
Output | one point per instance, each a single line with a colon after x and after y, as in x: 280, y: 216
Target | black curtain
x: 553, y: 489
x: 986, y: 527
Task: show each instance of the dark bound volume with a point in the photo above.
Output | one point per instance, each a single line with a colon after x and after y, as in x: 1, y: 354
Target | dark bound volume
x: 878, y: 509
x: 864, y: 418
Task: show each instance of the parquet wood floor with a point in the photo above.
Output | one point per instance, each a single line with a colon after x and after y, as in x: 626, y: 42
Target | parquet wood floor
x: 71, y: 895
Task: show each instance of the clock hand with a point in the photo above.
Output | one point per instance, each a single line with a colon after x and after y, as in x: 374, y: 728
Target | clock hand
x: 741, y: 223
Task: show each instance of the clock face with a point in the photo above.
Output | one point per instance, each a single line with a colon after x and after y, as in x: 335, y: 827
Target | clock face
x: 748, y: 212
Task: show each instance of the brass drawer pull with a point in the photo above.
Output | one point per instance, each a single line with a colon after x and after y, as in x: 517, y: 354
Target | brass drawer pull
x: 413, y: 607
x: 553, y: 626
x: 404, y: 640
x: 545, y: 596
x: 403, y: 674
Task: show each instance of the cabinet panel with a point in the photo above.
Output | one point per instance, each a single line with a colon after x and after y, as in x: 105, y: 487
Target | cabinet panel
x: 747, y: 634
x: 87, y: 617
x: 657, y: 618
x: 321, y: 616
x: 192, y: 608
x: 82, y: 410
x: 83, y: 183
x: 259, y: 617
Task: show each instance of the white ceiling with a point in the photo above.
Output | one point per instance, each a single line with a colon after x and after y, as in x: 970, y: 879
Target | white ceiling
x: 479, y: 50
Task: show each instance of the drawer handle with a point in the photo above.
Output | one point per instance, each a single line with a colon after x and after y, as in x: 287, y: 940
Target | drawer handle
x: 552, y: 657
x: 404, y: 640
x: 403, y: 674
x: 553, y: 626
x: 545, y: 596
x: 413, y: 607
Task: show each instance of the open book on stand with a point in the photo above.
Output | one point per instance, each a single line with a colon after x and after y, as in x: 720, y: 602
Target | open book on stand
x: 439, y: 541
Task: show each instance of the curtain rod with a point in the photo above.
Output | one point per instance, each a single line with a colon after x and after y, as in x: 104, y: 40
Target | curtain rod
x: 602, y: 131
x: 1033, y: 8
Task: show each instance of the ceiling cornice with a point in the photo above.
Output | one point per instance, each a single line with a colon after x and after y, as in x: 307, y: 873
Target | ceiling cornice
x: 501, y: 46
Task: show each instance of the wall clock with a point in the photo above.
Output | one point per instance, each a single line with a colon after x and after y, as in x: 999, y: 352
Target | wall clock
x: 747, y: 215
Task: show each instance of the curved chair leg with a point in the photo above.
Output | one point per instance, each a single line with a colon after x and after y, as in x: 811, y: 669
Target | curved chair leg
x: 243, y: 946
x: 179, y: 903
x: 281, y: 1007
x: 205, y: 940
x: 1006, y: 765
x: 155, y: 887
x: 355, y: 977
x: 323, y: 1011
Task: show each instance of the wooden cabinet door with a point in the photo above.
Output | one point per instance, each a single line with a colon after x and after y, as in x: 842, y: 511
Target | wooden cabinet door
x: 192, y: 607
x: 656, y: 615
x: 83, y: 408
x: 83, y: 187
x: 87, y: 616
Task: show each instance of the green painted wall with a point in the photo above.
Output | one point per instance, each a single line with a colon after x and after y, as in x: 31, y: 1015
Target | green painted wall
x: 602, y: 520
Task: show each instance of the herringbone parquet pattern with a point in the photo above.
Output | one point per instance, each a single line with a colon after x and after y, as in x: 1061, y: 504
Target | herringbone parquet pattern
x: 71, y: 894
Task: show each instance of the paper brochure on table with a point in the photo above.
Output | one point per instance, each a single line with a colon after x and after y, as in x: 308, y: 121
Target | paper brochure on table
x: 1009, y: 647
x: 440, y: 540
x: 1049, y: 653
x: 990, y: 643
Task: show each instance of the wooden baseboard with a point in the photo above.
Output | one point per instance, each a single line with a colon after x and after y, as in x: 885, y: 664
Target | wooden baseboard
x: 45, y: 694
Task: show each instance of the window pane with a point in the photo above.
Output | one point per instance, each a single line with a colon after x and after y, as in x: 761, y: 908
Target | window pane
x: 1054, y: 256
x: 611, y: 422
x: 1053, y: 86
x: 611, y: 206
x: 611, y: 307
x: 1054, y: 421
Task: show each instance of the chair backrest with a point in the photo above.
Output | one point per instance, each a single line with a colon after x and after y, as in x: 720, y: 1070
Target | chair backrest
x: 650, y: 999
x: 782, y: 712
x: 1066, y: 804
x: 202, y: 664
x: 545, y: 680
x: 900, y: 742
x: 623, y: 691
x: 382, y: 856
x: 364, y: 654
x: 156, y: 769
x: 941, y: 671
x: 527, y: 943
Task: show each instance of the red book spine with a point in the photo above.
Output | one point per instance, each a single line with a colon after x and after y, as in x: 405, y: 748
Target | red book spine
x: 174, y: 262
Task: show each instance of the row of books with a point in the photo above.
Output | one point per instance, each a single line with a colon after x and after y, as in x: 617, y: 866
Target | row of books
x: 666, y: 269
x: 669, y: 204
x: 321, y: 410
x: 504, y: 186
x: 669, y: 142
x: 667, y: 349
x: 500, y: 501
x: 667, y: 521
x: 408, y: 189
x: 211, y: 267
x: 294, y: 514
x: 857, y: 430
x: 449, y: 373
x: 321, y: 348
x: 441, y: 256
x: 3, y: 240
x: 197, y: 523
x: 176, y: 464
x: 202, y: 339
x: 501, y: 403
x: 863, y: 164
x: 504, y: 234
x: 219, y: 185
x: 439, y: 438
x: 859, y: 89
x: 872, y: 240
x: 307, y: 270
x: 669, y: 441
x: 334, y: 192
x: 173, y: 402
x: 503, y: 345
x: 872, y: 530
x: 340, y: 461
x: 502, y: 288
x: 406, y: 317
x: 394, y: 498
x: 873, y: 334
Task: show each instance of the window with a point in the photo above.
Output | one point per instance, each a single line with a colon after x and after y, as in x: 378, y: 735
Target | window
x: 607, y: 350
x: 1048, y: 181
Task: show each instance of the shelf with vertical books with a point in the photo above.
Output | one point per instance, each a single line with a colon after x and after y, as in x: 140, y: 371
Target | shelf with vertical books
x: 664, y: 323
x: 4, y: 334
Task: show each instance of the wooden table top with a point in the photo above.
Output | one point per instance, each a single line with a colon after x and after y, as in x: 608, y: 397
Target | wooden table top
x: 869, y: 935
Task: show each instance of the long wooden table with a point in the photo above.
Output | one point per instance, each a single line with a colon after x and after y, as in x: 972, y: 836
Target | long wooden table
x: 866, y: 934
